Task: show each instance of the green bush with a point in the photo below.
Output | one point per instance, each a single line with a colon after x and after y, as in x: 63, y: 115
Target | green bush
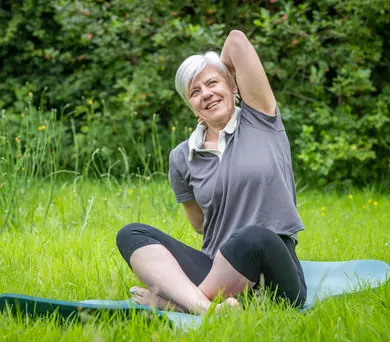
x: 108, y: 68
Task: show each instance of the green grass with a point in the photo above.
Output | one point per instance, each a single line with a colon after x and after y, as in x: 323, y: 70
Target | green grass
x: 59, y: 242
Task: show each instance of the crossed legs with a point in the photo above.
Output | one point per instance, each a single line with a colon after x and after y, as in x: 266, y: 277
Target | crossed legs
x: 165, y: 278
x: 180, y: 277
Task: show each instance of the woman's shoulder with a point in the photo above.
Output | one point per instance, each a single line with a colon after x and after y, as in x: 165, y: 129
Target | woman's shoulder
x: 257, y: 119
x: 179, y: 153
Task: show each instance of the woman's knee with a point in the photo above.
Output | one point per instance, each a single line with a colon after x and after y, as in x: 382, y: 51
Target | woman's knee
x: 255, y: 237
x: 127, y: 232
x: 134, y: 236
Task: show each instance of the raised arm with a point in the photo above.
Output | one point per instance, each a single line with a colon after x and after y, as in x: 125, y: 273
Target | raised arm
x: 241, y: 59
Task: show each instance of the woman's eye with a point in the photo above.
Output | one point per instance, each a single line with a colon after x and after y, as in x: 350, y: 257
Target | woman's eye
x: 194, y: 92
x: 212, y: 83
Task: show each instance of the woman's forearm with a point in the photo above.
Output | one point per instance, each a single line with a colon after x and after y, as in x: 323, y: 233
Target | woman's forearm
x: 194, y: 215
x: 242, y: 61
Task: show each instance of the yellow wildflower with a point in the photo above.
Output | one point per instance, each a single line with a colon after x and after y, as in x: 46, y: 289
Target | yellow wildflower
x: 20, y: 156
x: 173, y: 128
x: 17, y: 139
x: 90, y: 102
x: 22, y: 115
x: 148, y: 178
x: 376, y: 204
x: 323, y: 208
x: 30, y: 94
x: 131, y: 191
x: 350, y: 196
x: 42, y: 127
x: 190, y: 129
x: 369, y: 201
x: 322, y: 214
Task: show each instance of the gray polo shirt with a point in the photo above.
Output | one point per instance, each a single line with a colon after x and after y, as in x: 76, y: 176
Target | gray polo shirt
x: 252, y: 182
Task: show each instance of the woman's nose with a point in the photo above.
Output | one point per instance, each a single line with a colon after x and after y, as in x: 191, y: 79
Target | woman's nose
x: 206, y: 93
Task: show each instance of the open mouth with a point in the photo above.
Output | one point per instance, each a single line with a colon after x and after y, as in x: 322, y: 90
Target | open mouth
x: 212, y: 104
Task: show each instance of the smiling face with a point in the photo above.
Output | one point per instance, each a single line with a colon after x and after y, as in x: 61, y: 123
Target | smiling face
x: 211, y: 96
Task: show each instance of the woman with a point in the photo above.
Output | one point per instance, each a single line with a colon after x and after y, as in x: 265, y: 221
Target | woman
x: 235, y: 180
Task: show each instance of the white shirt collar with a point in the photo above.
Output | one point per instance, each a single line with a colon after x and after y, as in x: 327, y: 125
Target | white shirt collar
x: 197, y: 137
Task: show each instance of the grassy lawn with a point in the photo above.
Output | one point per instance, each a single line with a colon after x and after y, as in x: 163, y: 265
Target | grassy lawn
x: 60, y: 243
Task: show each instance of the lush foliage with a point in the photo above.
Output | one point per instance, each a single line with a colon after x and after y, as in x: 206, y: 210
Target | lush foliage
x: 60, y: 243
x: 108, y: 69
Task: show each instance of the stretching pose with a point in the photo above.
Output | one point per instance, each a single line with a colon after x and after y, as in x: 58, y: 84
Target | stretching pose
x: 235, y: 180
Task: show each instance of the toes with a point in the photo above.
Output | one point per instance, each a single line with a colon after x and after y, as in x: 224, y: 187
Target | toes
x: 141, y: 295
x: 232, y: 302
x: 137, y: 300
x: 136, y: 290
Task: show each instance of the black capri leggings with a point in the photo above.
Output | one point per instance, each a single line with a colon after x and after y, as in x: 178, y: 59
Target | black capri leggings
x: 251, y: 251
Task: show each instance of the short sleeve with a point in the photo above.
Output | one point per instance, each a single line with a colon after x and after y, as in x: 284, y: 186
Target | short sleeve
x: 180, y: 186
x: 253, y: 117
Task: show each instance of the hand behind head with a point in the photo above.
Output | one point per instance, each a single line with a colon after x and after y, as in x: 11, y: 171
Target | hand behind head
x: 201, y: 122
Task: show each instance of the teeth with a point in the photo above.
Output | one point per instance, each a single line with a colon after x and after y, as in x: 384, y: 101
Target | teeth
x: 211, y: 105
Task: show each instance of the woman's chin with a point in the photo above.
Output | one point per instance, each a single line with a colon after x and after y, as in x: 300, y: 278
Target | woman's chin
x: 220, y: 115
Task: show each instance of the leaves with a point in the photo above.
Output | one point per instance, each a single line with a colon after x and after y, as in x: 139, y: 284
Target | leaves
x: 328, y: 64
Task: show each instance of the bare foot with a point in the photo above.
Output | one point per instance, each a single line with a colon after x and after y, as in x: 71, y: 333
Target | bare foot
x: 231, y: 303
x: 144, y: 296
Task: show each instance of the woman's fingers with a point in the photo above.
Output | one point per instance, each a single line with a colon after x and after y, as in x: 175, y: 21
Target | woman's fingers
x: 201, y: 122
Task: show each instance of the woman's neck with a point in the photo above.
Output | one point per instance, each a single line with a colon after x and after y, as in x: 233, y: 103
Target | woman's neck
x: 214, y: 129
x: 212, y: 133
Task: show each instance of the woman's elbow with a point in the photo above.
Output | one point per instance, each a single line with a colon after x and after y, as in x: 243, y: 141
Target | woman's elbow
x: 199, y: 230
x: 237, y: 36
x: 198, y: 225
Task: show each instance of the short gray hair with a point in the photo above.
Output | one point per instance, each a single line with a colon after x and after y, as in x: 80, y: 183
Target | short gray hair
x: 192, y: 67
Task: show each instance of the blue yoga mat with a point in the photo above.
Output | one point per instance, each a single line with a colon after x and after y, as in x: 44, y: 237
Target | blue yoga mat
x: 323, y: 279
